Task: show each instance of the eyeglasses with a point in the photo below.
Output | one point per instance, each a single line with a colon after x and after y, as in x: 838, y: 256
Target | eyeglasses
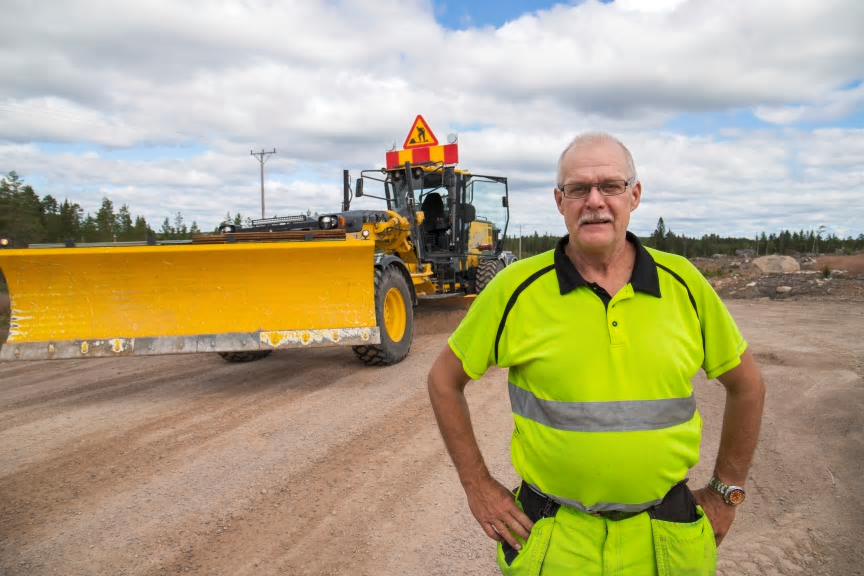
x: 606, y: 188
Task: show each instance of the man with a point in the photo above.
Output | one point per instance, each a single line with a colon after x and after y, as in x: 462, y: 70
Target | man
x: 601, y: 337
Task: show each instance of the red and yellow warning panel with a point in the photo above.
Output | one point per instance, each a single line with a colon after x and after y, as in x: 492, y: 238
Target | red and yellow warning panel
x: 422, y: 146
x: 448, y: 154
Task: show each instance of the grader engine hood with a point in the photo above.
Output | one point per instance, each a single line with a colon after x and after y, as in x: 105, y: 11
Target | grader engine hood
x: 170, y: 299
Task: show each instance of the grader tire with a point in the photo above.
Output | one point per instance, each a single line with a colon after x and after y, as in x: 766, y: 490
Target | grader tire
x: 250, y: 356
x: 486, y: 271
x: 395, y: 319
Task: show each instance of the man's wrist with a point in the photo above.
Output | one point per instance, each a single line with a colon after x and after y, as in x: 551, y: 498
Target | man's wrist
x: 475, y: 478
x: 730, y: 494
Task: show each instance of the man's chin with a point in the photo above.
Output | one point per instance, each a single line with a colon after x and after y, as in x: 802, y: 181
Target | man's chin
x: 595, y: 236
x: 600, y: 230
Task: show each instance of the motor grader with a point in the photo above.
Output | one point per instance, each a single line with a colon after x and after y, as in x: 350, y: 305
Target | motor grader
x: 347, y: 278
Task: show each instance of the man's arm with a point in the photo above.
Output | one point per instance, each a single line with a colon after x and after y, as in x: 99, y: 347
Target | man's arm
x: 491, y: 503
x: 745, y: 399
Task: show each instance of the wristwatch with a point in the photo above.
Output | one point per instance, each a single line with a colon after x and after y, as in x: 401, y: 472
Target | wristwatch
x: 733, y: 495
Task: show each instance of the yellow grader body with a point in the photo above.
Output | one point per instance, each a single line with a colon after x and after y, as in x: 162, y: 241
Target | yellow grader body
x: 90, y: 302
x: 345, y: 278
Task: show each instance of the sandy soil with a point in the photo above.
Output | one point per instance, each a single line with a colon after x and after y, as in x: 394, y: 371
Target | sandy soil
x: 853, y: 264
x: 307, y: 463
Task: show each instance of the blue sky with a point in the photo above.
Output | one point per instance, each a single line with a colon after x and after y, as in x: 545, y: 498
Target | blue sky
x: 460, y: 15
x: 733, y: 131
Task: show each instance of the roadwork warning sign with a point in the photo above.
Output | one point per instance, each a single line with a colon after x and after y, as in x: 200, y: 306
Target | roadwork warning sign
x: 420, y: 135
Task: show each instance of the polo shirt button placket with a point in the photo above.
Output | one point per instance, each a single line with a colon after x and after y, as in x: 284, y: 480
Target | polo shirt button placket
x: 616, y: 336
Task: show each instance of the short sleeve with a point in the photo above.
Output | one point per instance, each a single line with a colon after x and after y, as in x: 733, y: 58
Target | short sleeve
x: 473, y: 342
x: 724, y: 343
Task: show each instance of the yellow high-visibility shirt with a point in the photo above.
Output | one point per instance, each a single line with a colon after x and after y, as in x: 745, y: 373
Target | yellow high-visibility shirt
x: 604, y: 411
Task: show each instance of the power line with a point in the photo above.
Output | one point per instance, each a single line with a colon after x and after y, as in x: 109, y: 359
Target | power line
x: 262, y: 159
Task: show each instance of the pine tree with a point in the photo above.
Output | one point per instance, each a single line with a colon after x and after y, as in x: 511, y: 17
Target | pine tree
x: 180, y: 229
x: 658, y: 237
x: 141, y: 231
x: 167, y: 231
x: 124, y: 225
x: 70, y: 222
x: 106, y: 222
x: 21, y: 217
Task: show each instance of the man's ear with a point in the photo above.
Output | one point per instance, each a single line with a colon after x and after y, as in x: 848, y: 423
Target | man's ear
x: 559, y: 200
x: 635, y: 196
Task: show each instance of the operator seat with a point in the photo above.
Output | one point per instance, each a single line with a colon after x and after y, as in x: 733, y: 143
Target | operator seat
x: 436, y: 222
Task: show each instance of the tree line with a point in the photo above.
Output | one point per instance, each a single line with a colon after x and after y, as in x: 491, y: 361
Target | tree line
x: 785, y: 242
x: 26, y: 218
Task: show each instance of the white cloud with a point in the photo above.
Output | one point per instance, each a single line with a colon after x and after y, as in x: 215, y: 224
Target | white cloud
x: 329, y: 83
x: 649, y: 5
x: 761, y: 181
x: 834, y: 105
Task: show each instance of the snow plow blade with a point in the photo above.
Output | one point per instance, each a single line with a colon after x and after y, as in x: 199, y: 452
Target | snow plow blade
x: 174, y: 299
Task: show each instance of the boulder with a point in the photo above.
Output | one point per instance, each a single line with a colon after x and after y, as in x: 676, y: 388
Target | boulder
x: 775, y: 264
x: 784, y: 289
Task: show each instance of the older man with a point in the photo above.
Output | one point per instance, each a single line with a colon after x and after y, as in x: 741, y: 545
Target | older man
x: 601, y: 337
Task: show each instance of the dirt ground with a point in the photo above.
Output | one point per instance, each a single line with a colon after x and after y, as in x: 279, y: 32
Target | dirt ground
x: 307, y: 463
x: 824, y: 277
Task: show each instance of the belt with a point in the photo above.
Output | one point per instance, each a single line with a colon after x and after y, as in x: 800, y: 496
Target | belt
x: 677, y: 505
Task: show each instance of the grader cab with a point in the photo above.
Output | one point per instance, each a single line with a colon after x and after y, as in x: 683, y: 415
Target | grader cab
x: 346, y: 278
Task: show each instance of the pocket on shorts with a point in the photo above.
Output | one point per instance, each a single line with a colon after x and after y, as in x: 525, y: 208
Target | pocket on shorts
x: 529, y: 560
x: 685, y: 549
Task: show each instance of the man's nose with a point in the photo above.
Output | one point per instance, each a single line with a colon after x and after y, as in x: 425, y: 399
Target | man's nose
x: 595, y: 198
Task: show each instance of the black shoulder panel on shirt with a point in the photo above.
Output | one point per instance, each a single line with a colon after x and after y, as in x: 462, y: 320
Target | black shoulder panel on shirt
x: 512, y: 301
x: 683, y: 283
x: 689, y: 295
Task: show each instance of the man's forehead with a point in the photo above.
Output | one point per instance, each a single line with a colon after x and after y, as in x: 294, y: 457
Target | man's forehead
x: 596, y: 155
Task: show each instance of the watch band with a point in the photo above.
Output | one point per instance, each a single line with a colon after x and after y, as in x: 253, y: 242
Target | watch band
x: 732, y: 495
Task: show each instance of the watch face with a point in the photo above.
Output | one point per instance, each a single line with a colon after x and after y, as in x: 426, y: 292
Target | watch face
x: 736, y: 496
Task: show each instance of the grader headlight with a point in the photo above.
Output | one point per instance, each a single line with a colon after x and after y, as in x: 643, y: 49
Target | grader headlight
x: 330, y: 221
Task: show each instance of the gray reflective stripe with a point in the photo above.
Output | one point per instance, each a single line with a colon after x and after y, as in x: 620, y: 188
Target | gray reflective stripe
x: 616, y: 416
x: 599, y: 506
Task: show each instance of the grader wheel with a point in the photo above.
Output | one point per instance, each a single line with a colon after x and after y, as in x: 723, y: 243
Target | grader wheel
x: 395, y: 319
x: 486, y: 271
x: 250, y: 356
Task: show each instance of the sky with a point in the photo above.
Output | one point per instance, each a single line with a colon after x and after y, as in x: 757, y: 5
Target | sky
x: 742, y: 115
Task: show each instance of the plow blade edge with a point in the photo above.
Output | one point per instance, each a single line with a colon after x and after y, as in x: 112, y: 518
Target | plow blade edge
x: 172, y: 299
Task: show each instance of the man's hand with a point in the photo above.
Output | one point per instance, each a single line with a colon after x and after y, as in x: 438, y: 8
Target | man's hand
x: 720, y: 514
x: 491, y: 503
x: 495, y: 509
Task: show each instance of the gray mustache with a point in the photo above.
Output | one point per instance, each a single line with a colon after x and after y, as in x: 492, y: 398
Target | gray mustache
x: 595, y: 218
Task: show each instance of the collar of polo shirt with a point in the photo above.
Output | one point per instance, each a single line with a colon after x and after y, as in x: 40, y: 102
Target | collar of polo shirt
x: 644, y: 277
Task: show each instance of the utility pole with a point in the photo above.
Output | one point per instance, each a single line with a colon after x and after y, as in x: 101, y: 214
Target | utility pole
x: 520, y: 240
x: 262, y: 158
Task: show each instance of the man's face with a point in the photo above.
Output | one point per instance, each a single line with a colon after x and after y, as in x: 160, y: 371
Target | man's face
x: 597, y: 223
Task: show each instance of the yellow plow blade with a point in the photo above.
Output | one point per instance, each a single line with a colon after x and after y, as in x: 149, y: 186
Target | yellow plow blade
x: 170, y: 299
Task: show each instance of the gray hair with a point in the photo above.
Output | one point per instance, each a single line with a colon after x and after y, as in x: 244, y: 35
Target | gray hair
x: 592, y: 138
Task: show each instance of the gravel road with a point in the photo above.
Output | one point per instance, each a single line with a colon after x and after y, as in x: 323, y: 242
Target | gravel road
x: 308, y: 463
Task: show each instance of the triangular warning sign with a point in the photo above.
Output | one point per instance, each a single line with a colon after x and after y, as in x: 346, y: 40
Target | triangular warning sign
x: 420, y: 135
